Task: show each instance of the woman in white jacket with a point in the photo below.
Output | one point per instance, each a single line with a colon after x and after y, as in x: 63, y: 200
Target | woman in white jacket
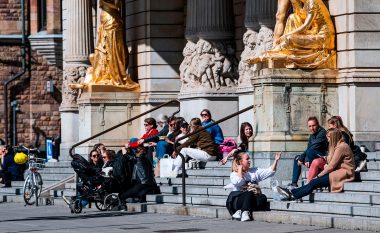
x: 239, y: 203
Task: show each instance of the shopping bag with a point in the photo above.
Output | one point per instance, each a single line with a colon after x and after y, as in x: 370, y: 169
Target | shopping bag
x: 166, y: 166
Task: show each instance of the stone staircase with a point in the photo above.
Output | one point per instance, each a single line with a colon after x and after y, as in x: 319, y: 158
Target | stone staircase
x: 356, y: 208
x: 52, y: 176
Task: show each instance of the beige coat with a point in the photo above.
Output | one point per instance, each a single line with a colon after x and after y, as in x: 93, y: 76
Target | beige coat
x: 341, y: 167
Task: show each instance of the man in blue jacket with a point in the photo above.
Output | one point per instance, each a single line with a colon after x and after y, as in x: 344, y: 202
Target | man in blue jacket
x: 9, y: 169
x: 316, y: 147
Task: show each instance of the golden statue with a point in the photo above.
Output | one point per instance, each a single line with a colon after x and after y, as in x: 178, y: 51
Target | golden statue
x: 309, y: 38
x: 110, y: 60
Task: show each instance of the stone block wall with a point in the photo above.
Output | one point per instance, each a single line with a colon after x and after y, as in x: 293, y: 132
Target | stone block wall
x: 10, y: 13
x: 38, y: 109
x: 155, y: 36
x: 38, y: 113
x: 358, y: 28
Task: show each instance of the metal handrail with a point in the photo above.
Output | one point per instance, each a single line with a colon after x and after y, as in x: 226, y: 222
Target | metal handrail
x: 196, y: 132
x: 123, y: 123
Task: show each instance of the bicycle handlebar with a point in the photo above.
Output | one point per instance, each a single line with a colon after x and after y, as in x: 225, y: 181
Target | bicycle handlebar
x: 23, y: 148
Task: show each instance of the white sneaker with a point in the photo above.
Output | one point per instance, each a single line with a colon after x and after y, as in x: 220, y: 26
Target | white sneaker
x: 237, y: 214
x: 362, y: 166
x: 173, y: 174
x: 245, y: 216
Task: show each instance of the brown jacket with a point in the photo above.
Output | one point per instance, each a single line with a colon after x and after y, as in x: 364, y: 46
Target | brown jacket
x: 340, y: 166
x: 203, y: 140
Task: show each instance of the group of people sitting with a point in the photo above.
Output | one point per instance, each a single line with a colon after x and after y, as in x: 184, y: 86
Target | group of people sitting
x: 331, y: 156
x: 201, y: 147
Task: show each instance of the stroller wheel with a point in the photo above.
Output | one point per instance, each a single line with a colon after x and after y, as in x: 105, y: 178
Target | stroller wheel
x: 77, y: 207
x: 111, y: 202
x: 100, y: 205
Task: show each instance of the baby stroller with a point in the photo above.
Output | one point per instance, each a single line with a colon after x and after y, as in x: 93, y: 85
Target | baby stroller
x: 92, y: 187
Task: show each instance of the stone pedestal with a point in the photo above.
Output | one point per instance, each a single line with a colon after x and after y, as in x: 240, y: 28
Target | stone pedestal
x: 220, y: 105
x: 284, y: 99
x: 99, y: 111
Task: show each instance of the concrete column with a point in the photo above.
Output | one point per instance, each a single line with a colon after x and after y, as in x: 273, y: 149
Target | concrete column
x: 77, y: 45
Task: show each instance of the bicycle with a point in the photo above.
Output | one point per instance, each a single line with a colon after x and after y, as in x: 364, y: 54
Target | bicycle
x: 33, y: 183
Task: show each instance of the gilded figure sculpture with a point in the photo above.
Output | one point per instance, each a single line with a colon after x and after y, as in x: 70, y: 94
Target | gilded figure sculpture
x: 110, y: 59
x: 308, y: 40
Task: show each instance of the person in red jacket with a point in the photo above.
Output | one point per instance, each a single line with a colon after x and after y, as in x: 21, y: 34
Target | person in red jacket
x: 150, y: 130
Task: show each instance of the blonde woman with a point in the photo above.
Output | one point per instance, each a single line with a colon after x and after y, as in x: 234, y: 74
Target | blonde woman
x: 339, y: 169
x: 240, y: 203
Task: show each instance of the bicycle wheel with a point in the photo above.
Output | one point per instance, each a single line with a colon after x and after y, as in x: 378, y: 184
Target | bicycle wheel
x: 111, y: 202
x: 38, y: 182
x: 28, y: 192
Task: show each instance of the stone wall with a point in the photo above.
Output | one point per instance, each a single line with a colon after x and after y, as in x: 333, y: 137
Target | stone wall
x: 10, y: 14
x: 358, y: 28
x: 38, y: 113
x: 38, y: 108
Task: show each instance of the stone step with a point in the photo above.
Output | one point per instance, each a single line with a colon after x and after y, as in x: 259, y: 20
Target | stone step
x: 345, y: 197
x: 70, y: 185
x: 57, y: 170
x: 60, y: 193
x: 54, y: 177
x: 224, y: 173
x: 328, y: 208
x: 370, y: 176
x: 198, y: 190
x: 286, y: 217
x: 373, y: 166
x: 190, y: 199
x: 59, y: 164
x: 195, y: 181
x: 362, y: 187
x: 373, y: 155
x: 11, y: 190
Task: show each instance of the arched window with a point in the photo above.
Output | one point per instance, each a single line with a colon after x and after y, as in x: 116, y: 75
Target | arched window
x: 42, y: 13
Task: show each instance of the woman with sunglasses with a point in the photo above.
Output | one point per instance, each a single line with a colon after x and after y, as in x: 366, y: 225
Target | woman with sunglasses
x: 215, y: 130
x: 150, y: 131
x: 95, y: 159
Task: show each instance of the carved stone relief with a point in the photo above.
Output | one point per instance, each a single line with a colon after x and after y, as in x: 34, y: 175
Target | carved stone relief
x: 254, y: 43
x: 208, y: 65
x: 71, y: 75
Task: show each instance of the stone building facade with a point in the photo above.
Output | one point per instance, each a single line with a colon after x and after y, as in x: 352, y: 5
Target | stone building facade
x: 175, y: 47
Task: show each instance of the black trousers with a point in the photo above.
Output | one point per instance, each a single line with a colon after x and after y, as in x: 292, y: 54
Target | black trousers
x: 7, y: 177
x: 246, y: 201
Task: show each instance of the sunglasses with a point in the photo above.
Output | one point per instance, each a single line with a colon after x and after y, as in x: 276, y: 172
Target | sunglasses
x: 204, y: 114
x: 172, y: 124
x: 95, y: 156
x: 146, y: 124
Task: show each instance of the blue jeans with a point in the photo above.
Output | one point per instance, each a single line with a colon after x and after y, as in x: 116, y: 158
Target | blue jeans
x: 310, y: 156
x: 305, y: 190
x: 163, y: 148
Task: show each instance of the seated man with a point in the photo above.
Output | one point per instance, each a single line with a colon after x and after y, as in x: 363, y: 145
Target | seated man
x: 9, y: 169
x: 316, y: 148
x: 206, y: 149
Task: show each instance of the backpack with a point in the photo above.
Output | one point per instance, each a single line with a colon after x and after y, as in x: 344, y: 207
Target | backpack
x: 121, y: 170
